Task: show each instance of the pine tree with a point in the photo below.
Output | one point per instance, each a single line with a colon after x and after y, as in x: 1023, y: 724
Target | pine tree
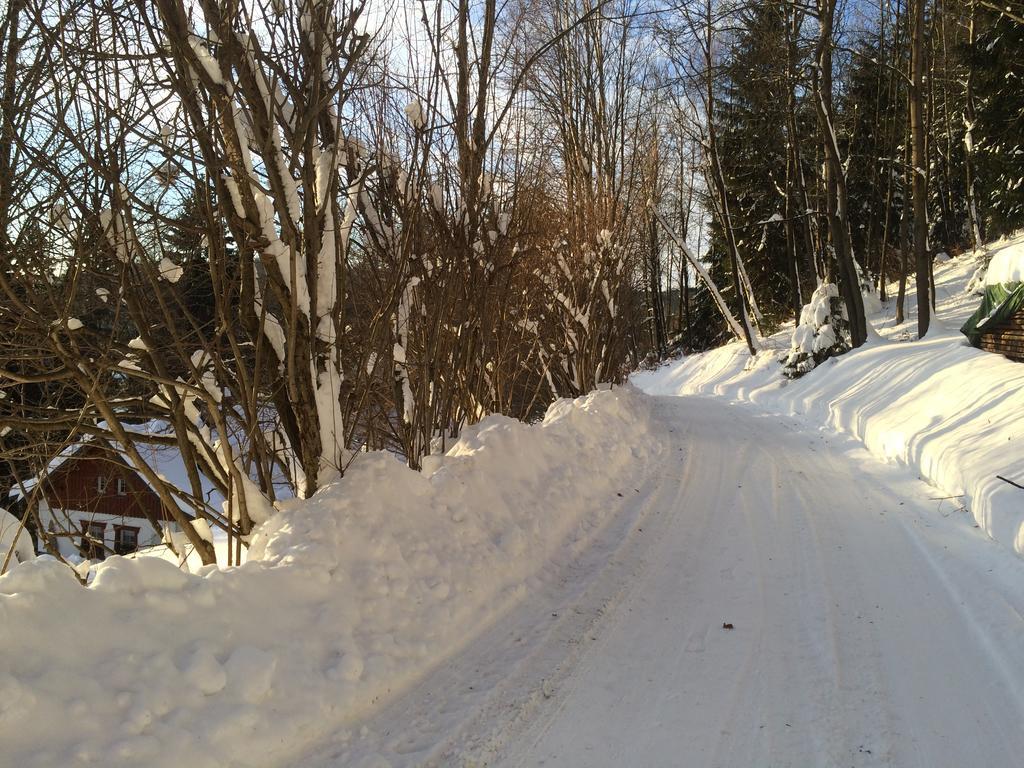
x: 751, y: 114
x: 874, y: 117
x: 999, y: 133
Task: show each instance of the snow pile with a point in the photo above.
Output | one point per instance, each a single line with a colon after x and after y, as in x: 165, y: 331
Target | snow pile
x: 947, y: 410
x: 820, y: 334
x: 346, y: 599
x: 1007, y: 264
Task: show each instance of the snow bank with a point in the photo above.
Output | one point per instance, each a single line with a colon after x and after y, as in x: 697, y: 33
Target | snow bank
x: 346, y: 599
x: 949, y: 411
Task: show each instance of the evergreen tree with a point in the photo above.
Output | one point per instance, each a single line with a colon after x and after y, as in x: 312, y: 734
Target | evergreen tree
x: 751, y: 116
x: 999, y: 87
x: 873, y: 114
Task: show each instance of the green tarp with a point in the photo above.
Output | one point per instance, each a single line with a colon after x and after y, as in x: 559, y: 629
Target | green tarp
x: 998, y: 303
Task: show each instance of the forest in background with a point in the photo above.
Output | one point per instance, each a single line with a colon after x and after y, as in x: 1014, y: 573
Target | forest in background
x: 271, y: 235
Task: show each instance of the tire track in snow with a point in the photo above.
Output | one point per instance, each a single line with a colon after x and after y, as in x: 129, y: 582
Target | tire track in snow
x: 848, y: 647
x: 463, y: 712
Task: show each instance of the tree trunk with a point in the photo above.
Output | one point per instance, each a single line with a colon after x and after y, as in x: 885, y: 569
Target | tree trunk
x: 796, y: 156
x: 835, y: 182
x: 660, y: 340
x: 969, y: 120
x: 904, y: 236
x: 919, y: 164
x: 686, y: 306
x: 734, y: 325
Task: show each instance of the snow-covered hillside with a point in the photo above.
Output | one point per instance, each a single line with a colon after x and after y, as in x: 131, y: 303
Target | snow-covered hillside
x: 947, y: 410
x: 345, y: 600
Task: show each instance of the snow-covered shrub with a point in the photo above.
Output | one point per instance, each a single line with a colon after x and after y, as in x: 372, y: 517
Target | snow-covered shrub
x: 823, y: 331
x: 580, y: 317
x: 976, y: 285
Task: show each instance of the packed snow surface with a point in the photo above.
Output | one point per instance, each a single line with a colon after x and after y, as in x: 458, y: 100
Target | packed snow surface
x: 938, y: 405
x: 798, y: 604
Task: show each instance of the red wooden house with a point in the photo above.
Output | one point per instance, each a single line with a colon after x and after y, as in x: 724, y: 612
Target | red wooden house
x: 95, y: 504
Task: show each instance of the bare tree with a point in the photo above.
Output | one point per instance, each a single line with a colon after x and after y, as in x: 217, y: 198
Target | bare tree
x: 834, y: 175
x: 919, y: 163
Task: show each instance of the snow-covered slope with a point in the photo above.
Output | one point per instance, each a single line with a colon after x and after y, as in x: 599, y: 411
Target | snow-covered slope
x: 345, y: 601
x: 949, y: 411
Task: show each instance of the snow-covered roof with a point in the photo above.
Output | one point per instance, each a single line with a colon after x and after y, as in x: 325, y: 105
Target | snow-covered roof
x: 25, y: 486
x: 166, y: 461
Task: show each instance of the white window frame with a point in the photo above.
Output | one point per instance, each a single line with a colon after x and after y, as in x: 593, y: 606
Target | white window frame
x: 101, y: 483
x: 122, y: 486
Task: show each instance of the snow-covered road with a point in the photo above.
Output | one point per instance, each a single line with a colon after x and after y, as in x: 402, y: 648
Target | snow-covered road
x: 872, y: 624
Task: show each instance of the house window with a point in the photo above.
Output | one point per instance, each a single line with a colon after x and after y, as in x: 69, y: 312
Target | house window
x: 92, y: 540
x: 101, y: 483
x: 122, y: 487
x: 126, y: 539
